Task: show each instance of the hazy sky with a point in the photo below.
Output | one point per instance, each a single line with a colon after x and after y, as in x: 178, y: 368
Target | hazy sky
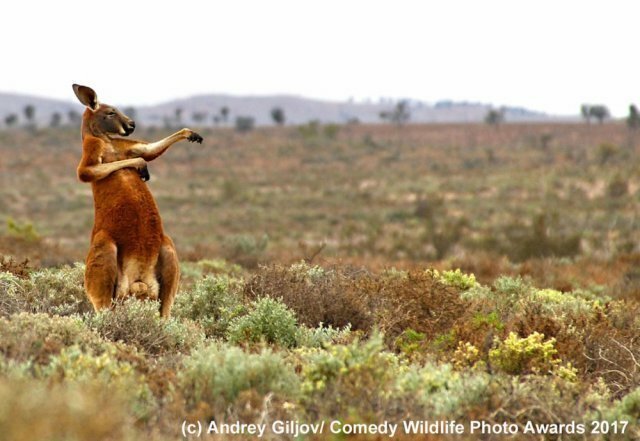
x: 544, y: 55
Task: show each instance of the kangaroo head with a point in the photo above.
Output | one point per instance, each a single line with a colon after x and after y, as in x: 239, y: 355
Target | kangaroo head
x: 102, y: 119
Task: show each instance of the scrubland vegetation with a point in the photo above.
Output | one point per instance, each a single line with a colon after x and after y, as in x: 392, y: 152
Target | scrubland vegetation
x: 356, y: 273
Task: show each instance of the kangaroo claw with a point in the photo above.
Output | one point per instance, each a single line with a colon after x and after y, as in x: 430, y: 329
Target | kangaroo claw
x: 144, y: 174
x: 194, y: 137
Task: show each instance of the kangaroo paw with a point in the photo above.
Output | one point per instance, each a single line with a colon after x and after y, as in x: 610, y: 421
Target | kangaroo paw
x: 194, y: 137
x: 144, y: 174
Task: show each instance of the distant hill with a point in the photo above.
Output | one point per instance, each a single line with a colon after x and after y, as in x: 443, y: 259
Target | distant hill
x: 202, y: 109
x: 11, y: 103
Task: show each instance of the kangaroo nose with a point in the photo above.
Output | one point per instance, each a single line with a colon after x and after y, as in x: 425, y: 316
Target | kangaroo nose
x: 129, y: 128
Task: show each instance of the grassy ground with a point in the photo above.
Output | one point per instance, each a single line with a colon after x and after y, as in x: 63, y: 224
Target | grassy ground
x: 544, y: 216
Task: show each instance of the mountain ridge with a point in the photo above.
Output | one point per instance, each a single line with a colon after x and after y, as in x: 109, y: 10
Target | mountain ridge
x: 204, y: 109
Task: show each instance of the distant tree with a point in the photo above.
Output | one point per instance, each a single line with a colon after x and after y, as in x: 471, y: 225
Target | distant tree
x: 245, y: 123
x: 494, y: 117
x: 29, y: 114
x: 224, y: 114
x: 73, y: 116
x: 11, y: 120
x: 178, y: 116
x: 199, y: 117
x: 56, y: 119
x: 599, y: 112
x: 633, y: 120
x: 216, y: 119
x: 585, y: 110
x: 277, y: 115
x: 399, y: 115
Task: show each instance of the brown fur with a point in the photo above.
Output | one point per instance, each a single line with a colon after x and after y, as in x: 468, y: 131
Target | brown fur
x: 129, y: 254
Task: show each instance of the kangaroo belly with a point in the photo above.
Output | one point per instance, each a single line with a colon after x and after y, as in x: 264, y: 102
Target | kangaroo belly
x: 126, y: 210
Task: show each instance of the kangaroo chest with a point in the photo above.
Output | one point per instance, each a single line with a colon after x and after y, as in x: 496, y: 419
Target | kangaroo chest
x: 109, y: 153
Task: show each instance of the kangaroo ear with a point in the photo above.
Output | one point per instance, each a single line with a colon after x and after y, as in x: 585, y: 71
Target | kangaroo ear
x: 87, y: 96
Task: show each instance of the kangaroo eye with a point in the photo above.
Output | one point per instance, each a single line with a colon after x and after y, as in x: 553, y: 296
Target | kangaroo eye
x: 112, y: 113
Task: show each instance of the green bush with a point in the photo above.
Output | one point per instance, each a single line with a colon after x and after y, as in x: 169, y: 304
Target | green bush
x: 52, y: 291
x: 439, y: 390
x: 517, y: 355
x: 625, y: 409
x: 212, y: 303
x: 512, y: 287
x: 220, y: 266
x: 268, y: 320
x: 564, y: 305
x: 358, y: 377
x: 529, y: 355
x: 138, y: 323
x: 218, y: 373
x: 456, y: 279
x: 10, y: 293
x: 410, y: 342
x: 245, y: 250
x: 22, y: 230
x: 316, y: 295
x: 74, y: 366
x: 37, y: 337
x: 37, y: 410
x: 320, y: 336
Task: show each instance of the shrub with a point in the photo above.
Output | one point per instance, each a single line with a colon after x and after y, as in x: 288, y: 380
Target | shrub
x: 531, y: 354
x: 611, y: 352
x: 245, y: 250
x: 517, y: 355
x: 536, y: 399
x: 539, y: 239
x: 456, y: 279
x: 314, y: 294
x: 410, y: 342
x: 467, y: 356
x: 618, y: 187
x: 10, y: 287
x: 344, y: 378
x: 625, y: 409
x: 117, y: 377
x: 419, y: 302
x: 220, y: 266
x: 490, y: 320
x: 53, y: 291
x: 564, y: 304
x: 341, y: 297
x: 212, y: 303
x: 36, y: 410
x: 439, y: 390
x: 22, y: 230
x: 138, y: 323
x: 512, y: 287
x: 320, y: 336
x: 268, y: 320
x: 218, y: 373
x: 38, y: 337
x: 9, y: 265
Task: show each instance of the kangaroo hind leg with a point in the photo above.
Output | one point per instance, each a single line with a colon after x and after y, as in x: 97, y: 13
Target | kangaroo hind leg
x: 101, y: 271
x: 168, y: 273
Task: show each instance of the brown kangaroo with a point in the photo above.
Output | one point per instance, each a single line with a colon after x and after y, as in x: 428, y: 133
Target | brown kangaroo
x: 129, y: 254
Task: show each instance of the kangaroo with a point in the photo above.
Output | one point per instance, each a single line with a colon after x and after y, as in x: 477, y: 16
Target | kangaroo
x: 129, y: 253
